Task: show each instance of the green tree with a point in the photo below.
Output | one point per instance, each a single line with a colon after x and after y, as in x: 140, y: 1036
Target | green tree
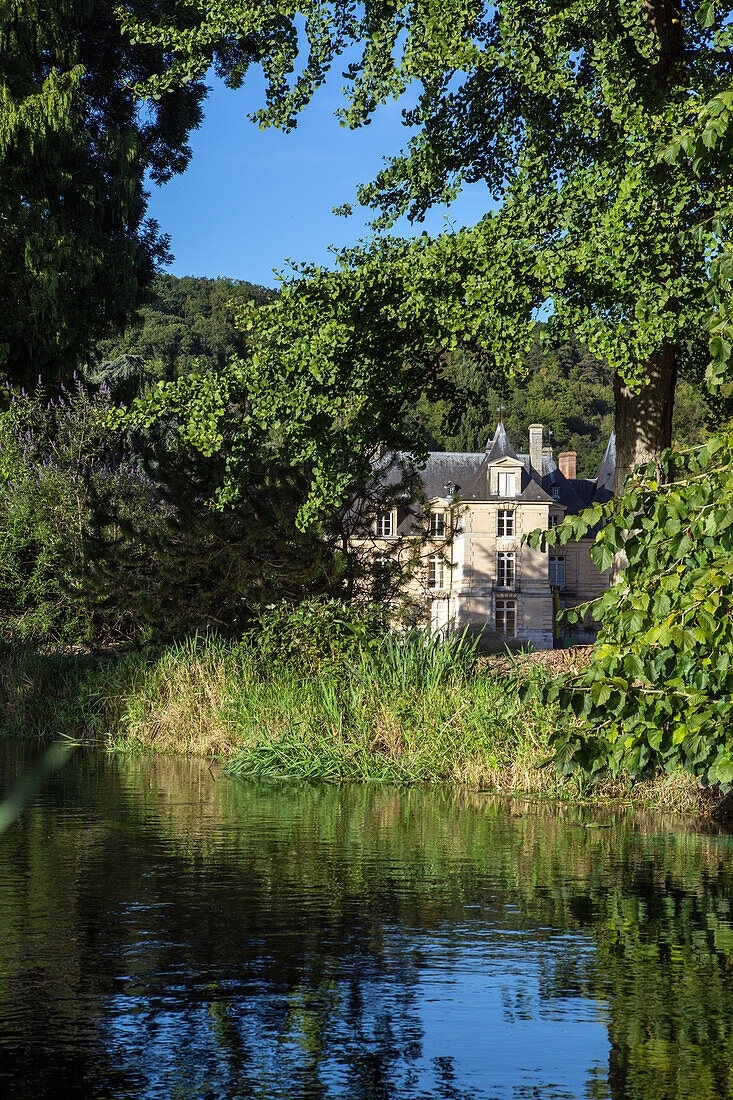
x: 658, y: 692
x: 564, y: 388
x: 76, y: 146
x: 185, y: 324
x: 570, y: 114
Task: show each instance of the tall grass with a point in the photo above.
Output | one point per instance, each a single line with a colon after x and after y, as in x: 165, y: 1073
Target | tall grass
x: 415, y: 710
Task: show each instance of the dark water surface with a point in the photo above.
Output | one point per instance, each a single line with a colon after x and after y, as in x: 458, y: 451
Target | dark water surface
x: 166, y: 934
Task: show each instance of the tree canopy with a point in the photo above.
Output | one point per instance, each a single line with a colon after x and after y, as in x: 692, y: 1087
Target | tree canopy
x: 566, y: 389
x: 76, y: 146
x: 657, y: 692
x: 571, y: 114
x: 185, y: 324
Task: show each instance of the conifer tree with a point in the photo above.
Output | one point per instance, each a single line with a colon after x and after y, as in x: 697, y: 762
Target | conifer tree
x: 76, y: 143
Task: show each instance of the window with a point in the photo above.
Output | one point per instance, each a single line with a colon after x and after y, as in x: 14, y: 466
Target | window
x: 505, y: 564
x: 553, y: 521
x: 381, y: 568
x: 507, y: 483
x: 437, y: 524
x: 436, y: 572
x: 384, y: 526
x: 439, y: 615
x: 506, y: 617
x: 504, y: 523
x: 557, y: 572
x: 555, y: 492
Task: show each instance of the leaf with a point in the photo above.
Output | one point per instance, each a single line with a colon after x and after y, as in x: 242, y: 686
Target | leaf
x: 705, y: 14
x: 602, y: 556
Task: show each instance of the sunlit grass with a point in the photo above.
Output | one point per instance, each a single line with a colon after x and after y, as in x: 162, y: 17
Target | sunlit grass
x: 408, y: 712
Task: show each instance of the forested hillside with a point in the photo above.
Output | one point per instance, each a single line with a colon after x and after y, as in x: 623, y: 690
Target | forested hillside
x: 567, y: 390
x: 186, y: 321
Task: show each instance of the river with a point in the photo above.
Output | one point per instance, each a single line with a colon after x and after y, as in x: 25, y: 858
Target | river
x: 167, y: 932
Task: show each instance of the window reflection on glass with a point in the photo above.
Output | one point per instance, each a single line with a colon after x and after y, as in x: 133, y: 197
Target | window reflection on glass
x: 505, y: 569
x: 506, y: 617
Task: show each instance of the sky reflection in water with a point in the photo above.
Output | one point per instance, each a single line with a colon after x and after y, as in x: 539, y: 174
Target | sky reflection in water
x: 168, y: 935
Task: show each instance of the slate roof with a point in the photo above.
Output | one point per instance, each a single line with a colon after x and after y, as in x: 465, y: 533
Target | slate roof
x: 499, y: 446
x: 467, y: 473
x: 535, y: 494
x: 454, y: 468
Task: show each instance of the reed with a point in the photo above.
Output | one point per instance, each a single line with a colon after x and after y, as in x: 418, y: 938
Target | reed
x: 409, y: 711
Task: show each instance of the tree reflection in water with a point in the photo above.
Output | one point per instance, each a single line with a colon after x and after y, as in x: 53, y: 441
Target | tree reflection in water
x: 167, y: 935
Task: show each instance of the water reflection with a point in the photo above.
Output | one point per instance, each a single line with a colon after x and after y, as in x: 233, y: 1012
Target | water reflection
x: 169, y: 935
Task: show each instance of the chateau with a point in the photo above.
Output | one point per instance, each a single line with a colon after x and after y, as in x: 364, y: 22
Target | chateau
x: 474, y: 570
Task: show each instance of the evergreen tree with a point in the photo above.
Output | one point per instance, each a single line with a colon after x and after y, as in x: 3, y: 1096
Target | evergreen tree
x: 76, y: 145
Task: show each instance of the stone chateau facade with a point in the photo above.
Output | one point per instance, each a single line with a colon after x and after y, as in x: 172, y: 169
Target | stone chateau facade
x: 479, y: 574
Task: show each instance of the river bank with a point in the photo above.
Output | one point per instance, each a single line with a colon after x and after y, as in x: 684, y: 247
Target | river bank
x: 401, y: 714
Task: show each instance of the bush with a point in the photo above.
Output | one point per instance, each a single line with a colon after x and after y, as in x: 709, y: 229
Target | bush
x: 318, y: 632
x: 657, y: 694
x: 57, y: 461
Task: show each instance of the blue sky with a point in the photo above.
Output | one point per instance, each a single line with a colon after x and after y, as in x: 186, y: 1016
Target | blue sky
x: 251, y: 199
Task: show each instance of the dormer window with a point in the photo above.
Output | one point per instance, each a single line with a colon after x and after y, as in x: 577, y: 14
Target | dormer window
x: 384, y: 527
x: 506, y: 483
x: 437, y: 525
x: 555, y: 492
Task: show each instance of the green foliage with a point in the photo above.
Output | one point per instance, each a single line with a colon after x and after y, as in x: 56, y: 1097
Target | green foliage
x: 566, y: 389
x: 105, y: 535
x: 186, y: 567
x: 658, y: 692
x: 56, y: 459
x: 564, y: 111
x: 185, y: 324
x: 76, y: 149
x: 336, y: 362
x: 418, y: 661
x: 317, y: 633
x: 405, y: 710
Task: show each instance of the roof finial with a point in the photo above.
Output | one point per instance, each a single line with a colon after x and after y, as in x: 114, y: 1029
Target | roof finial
x: 500, y: 410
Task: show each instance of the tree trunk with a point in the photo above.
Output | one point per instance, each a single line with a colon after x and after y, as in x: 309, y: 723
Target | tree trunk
x: 644, y: 419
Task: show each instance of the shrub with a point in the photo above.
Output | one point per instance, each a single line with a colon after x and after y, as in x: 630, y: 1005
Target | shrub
x: 318, y: 632
x: 657, y: 693
x: 57, y: 460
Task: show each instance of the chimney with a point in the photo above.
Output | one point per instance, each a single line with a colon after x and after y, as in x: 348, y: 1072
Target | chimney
x: 535, y: 450
x: 567, y: 464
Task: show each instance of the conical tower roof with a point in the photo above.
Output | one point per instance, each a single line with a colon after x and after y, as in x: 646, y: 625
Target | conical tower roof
x: 499, y: 446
